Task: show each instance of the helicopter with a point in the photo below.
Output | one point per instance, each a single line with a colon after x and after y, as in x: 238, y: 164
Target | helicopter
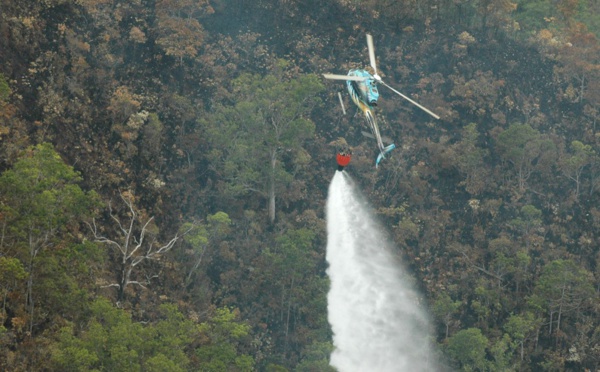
x: 362, y: 87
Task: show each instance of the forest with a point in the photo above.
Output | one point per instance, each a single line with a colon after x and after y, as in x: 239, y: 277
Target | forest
x: 164, y: 167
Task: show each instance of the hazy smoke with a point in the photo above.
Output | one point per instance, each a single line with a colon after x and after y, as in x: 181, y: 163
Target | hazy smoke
x: 373, y: 311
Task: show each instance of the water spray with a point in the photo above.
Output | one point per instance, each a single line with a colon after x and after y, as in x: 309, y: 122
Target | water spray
x: 377, y: 321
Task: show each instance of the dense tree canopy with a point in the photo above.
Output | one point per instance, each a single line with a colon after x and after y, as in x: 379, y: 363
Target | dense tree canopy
x: 180, y: 152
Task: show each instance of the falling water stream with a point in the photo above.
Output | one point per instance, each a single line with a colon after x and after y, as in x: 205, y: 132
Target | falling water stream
x: 377, y: 322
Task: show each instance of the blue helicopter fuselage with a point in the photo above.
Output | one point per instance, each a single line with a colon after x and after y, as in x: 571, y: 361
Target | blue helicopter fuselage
x: 364, y: 91
x: 364, y: 94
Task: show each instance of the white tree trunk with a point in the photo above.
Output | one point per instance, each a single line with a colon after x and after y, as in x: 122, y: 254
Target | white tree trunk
x: 272, y: 187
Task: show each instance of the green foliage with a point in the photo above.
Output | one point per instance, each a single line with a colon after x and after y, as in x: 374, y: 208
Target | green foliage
x: 167, y: 339
x: 525, y: 150
x: 293, y: 253
x: 41, y: 199
x: 111, y: 341
x: 201, y: 235
x: 218, y: 223
x: 513, y: 142
x: 587, y: 13
x: 197, y: 237
x: 563, y: 287
x: 118, y: 336
x: 4, y: 89
x: 59, y: 288
x: 531, y: 214
x: 12, y: 273
x: 152, y: 140
x: 534, y: 15
x: 521, y: 326
x: 221, y: 350
x: 258, y: 141
x: 444, y: 305
x: 573, y: 164
x: 290, y: 269
x: 444, y: 309
x: 316, y: 358
x: 294, y: 289
x: 275, y: 368
x: 501, y: 352
x: 160, y: 363
x: 581, y: 154
x: 224, y: 325
x: 511, y: 262
x: 41, y: 193
x: 530, y: 217
x: 82, y: 258
x: 408, y: 227
x: 70, y: 356
x: 108, y: 343
x: 472, y: 154
x: 468, y: 348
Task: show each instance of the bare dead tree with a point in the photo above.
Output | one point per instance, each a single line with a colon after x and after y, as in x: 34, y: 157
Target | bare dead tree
x: 134, y: 245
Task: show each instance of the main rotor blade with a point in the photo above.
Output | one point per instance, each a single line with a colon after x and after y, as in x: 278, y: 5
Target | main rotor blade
x: 342, y: 103
x: 344, y: 77
x: 411, y: 101
x: 371, y: 47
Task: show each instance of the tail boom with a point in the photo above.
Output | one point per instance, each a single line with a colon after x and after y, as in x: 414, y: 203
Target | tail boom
x: 384, y: 152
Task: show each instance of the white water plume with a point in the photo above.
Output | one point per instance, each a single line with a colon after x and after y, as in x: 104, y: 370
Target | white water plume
x: 377, y: 322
